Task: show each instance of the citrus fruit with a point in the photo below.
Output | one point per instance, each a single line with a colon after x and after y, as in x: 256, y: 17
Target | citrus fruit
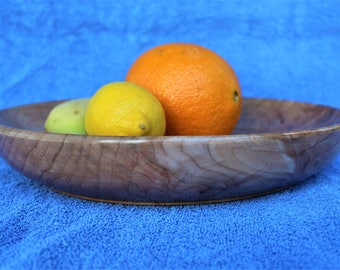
x: 124, y: 109
x: 198, y: 89
x: 67, y: 117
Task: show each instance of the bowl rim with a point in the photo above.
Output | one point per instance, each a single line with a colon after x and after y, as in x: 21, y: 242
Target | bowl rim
x: 50, y: 136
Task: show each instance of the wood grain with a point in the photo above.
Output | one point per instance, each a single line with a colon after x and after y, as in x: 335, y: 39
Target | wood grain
x: 275, y: 145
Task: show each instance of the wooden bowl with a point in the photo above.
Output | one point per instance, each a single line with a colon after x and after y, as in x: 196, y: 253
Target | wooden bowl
x: 275, y: 145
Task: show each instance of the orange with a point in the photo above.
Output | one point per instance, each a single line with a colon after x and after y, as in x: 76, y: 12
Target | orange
x: 198, y: 89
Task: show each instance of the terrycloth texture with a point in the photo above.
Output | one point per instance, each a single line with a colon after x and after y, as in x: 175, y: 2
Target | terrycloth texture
x: 65, y: 49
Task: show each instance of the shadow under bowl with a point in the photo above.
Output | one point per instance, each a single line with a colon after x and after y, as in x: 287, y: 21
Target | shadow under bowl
x: 276, y: 144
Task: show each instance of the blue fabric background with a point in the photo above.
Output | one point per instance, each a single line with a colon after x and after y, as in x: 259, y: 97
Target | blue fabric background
x: 66, y: 49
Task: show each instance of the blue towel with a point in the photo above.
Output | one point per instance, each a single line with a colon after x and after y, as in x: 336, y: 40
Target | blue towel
x: 53, y: 50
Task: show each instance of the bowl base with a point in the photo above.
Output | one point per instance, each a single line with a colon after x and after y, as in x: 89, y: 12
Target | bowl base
x: 170, y: 203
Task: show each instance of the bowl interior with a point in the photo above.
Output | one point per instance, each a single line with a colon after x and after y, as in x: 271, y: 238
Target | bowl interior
x: 258, y: 116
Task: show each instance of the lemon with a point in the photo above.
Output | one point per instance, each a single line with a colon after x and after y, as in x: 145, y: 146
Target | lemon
x: 124, y: 109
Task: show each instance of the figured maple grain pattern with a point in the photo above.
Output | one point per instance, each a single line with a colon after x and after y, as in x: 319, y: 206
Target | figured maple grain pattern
x: 275, y: 145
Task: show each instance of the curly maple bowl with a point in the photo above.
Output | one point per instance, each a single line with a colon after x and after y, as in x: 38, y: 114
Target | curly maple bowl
x: 275, y: 145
